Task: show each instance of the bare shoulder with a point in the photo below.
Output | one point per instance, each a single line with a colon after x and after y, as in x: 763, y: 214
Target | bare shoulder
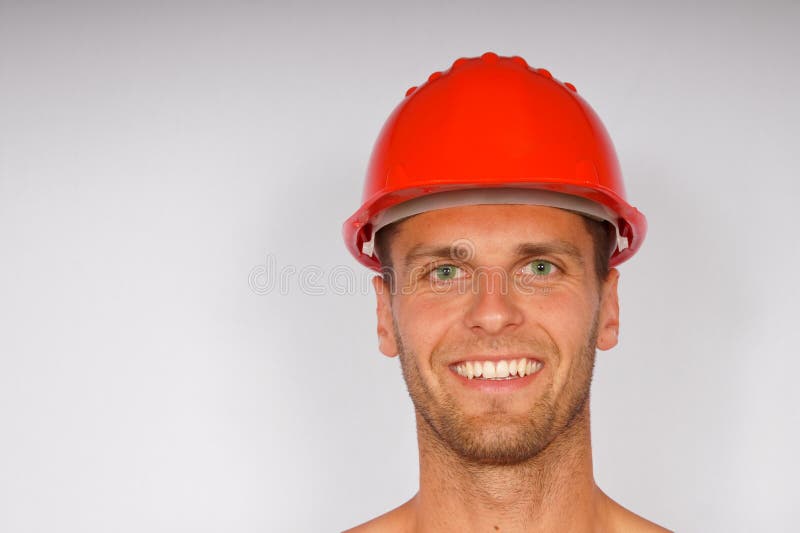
x: 397, y: 520
x: 624, y: 521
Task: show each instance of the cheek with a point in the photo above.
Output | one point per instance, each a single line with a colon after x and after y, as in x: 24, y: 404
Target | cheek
x: 563, y: 313
x: 424, y: 321
x: 567, y: 319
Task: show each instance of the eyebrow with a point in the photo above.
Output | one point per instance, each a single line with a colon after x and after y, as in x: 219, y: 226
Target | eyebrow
x: 551, y: 247
x: 559, y: 247
x: 421, y: 251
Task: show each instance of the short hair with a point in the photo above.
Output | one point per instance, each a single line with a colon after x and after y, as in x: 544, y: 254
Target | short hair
x: 601, y: 232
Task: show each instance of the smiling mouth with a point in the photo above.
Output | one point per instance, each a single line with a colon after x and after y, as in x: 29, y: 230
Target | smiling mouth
x: 498, y: 370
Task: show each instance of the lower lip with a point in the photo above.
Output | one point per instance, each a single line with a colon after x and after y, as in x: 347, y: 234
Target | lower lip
x: 497, y: 385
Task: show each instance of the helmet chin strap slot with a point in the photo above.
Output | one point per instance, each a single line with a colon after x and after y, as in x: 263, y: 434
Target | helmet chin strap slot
x: 368, y: 247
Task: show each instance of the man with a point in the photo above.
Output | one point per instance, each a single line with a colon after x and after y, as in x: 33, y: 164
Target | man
x: 495, y: 211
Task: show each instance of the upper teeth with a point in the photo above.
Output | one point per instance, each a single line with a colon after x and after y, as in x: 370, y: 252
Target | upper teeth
x: 497, y: 369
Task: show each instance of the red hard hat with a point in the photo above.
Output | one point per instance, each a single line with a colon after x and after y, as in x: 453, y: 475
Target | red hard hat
x: 491, y: 129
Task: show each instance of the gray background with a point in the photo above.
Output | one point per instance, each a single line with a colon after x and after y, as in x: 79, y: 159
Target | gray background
x: 157, y: 158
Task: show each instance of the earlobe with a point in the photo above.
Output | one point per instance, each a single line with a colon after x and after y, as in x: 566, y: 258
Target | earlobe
x: 608, y: 320
x: 386, y: 339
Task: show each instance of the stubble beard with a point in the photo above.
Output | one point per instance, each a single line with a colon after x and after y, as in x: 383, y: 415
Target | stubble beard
x: 497, y: 437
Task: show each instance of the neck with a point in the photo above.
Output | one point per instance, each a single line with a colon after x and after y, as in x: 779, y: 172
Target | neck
x: 553, y: 491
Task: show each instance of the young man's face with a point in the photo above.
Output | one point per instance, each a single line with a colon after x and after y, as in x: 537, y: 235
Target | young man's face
x: 490, y: 286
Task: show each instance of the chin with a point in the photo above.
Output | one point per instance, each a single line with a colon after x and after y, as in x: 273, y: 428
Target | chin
x: 497, y: 442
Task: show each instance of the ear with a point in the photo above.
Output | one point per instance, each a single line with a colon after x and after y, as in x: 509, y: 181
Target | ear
x: 386, y: 339
x: 608, y: 321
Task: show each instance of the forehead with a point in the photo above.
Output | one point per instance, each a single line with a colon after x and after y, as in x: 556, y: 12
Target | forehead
x: 492, y: 229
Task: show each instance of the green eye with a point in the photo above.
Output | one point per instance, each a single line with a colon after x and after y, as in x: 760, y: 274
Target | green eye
x: 541, y: 267
x: 446, y: 272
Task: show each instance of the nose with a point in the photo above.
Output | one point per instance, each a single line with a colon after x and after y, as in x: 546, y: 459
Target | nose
x: 492, y: 309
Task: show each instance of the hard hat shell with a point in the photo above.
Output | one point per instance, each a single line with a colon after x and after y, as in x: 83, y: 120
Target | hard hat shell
x: 492, y: 122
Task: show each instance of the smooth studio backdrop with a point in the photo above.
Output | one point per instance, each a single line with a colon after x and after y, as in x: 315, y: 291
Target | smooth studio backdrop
x: 185, y: 344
